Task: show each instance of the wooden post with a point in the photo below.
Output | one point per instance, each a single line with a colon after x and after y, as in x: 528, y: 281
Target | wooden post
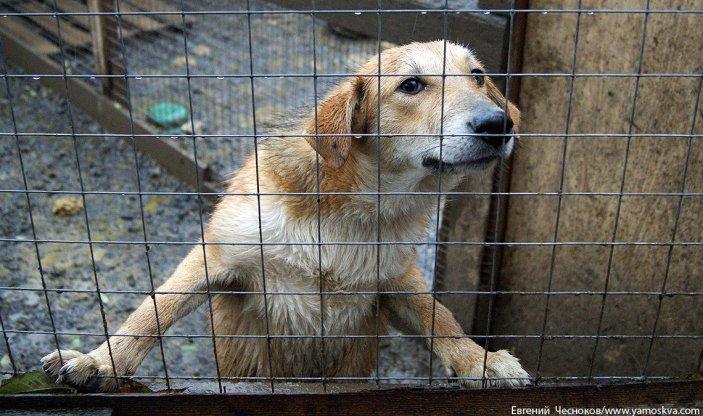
x: 105, y: 35
x: 97, y: 32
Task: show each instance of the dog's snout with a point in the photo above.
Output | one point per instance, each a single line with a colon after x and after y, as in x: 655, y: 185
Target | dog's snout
x: 494, y: 122
x: 491, y: 127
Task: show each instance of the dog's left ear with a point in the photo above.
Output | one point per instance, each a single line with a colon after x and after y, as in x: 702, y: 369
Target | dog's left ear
x: 340, y: 115
x: 497, y: 97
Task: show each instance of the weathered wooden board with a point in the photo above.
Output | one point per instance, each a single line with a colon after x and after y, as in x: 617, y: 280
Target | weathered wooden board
x: 608, y: 43
x: 71, y: 35
x: 76, y: 29
x: 140, y: 22
x: 400, y: 401
x: 75, y: 6
x: 157, y: 6
x: 29, y: 35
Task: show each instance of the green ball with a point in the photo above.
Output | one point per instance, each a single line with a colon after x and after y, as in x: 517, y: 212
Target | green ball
x: 168, y: 114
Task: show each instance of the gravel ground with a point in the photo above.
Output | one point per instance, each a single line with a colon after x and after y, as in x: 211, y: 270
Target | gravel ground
x: 108, y: 164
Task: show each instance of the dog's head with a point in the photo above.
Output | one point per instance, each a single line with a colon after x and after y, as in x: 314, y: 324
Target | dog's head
x: 419, y: 109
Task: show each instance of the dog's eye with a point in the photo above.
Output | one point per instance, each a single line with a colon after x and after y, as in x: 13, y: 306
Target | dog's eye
x: 478, y: 76
x: 411, y: 86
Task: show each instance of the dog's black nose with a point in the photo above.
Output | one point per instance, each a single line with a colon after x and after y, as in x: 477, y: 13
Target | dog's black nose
x: 494, y: 124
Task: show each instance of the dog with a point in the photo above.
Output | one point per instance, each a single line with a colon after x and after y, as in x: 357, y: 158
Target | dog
x: 316, y: 256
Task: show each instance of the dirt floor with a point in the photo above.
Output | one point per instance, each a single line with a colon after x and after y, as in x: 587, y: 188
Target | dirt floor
x: 108, y: 164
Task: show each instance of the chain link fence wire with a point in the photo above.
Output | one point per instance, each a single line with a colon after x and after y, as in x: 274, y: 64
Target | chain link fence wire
x: 91, y: 225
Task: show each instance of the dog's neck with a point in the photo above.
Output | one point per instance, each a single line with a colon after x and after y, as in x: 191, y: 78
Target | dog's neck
x: 350, y: 190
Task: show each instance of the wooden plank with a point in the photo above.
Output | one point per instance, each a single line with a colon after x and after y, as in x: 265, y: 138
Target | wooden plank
x: 391, y: 401
x: 16, y: 26
x: 75, y: 6
x: 160, y: 6
x: 608, y: 43
x: 111, y: 116
x: 72, y: 6
x: 98, y: 33
x: 60, y: 412
x: 484, y: 34
x: 139, y: 22
x: 70, y: 34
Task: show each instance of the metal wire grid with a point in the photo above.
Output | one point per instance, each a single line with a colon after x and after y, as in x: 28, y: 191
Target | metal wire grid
x: 251, y: 76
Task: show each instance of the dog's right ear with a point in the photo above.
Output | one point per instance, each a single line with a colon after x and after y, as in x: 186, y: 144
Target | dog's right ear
x: 339, y: 115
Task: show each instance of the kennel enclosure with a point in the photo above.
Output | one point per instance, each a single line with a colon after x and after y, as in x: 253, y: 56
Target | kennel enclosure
x: 582, y: 254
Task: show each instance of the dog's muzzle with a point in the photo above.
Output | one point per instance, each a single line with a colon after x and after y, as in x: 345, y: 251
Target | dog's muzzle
x: 492, y: 127
x: 491, y: 131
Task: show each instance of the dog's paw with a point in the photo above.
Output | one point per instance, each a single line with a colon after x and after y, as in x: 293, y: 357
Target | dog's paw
x: 82, y: 371
x: 502, y: 370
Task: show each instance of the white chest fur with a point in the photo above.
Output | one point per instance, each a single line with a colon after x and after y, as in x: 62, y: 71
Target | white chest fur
x: 350, y: 258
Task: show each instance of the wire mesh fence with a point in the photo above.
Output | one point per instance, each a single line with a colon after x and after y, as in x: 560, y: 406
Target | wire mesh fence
x: 93, y: 226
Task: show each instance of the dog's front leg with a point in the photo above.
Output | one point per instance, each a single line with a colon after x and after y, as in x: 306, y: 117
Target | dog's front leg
x: 94, y: 371
x: 413, y: 313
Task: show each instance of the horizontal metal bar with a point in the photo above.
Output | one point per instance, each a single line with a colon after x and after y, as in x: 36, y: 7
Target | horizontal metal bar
x: 360, y: 243
x: 358, y: 293
x: 370, y: 378
x: 38, y: 77
x: 303, y: 378
x: 348, y: 336
x: 521, y: 135
x: 360, y: 193
x: 357, y: 12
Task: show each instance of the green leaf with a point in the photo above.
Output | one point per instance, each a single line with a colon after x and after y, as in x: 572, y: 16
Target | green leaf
x: 172, y: 391
x: 40, y: 382
x: 131, y: 386
x: 34, y: 382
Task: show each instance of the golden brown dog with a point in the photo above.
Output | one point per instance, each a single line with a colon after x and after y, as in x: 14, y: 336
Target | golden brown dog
x: 463, y: 110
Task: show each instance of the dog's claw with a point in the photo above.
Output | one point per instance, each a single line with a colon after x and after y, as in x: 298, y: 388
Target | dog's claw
x: 503, y: 370
x: 82, y: 371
